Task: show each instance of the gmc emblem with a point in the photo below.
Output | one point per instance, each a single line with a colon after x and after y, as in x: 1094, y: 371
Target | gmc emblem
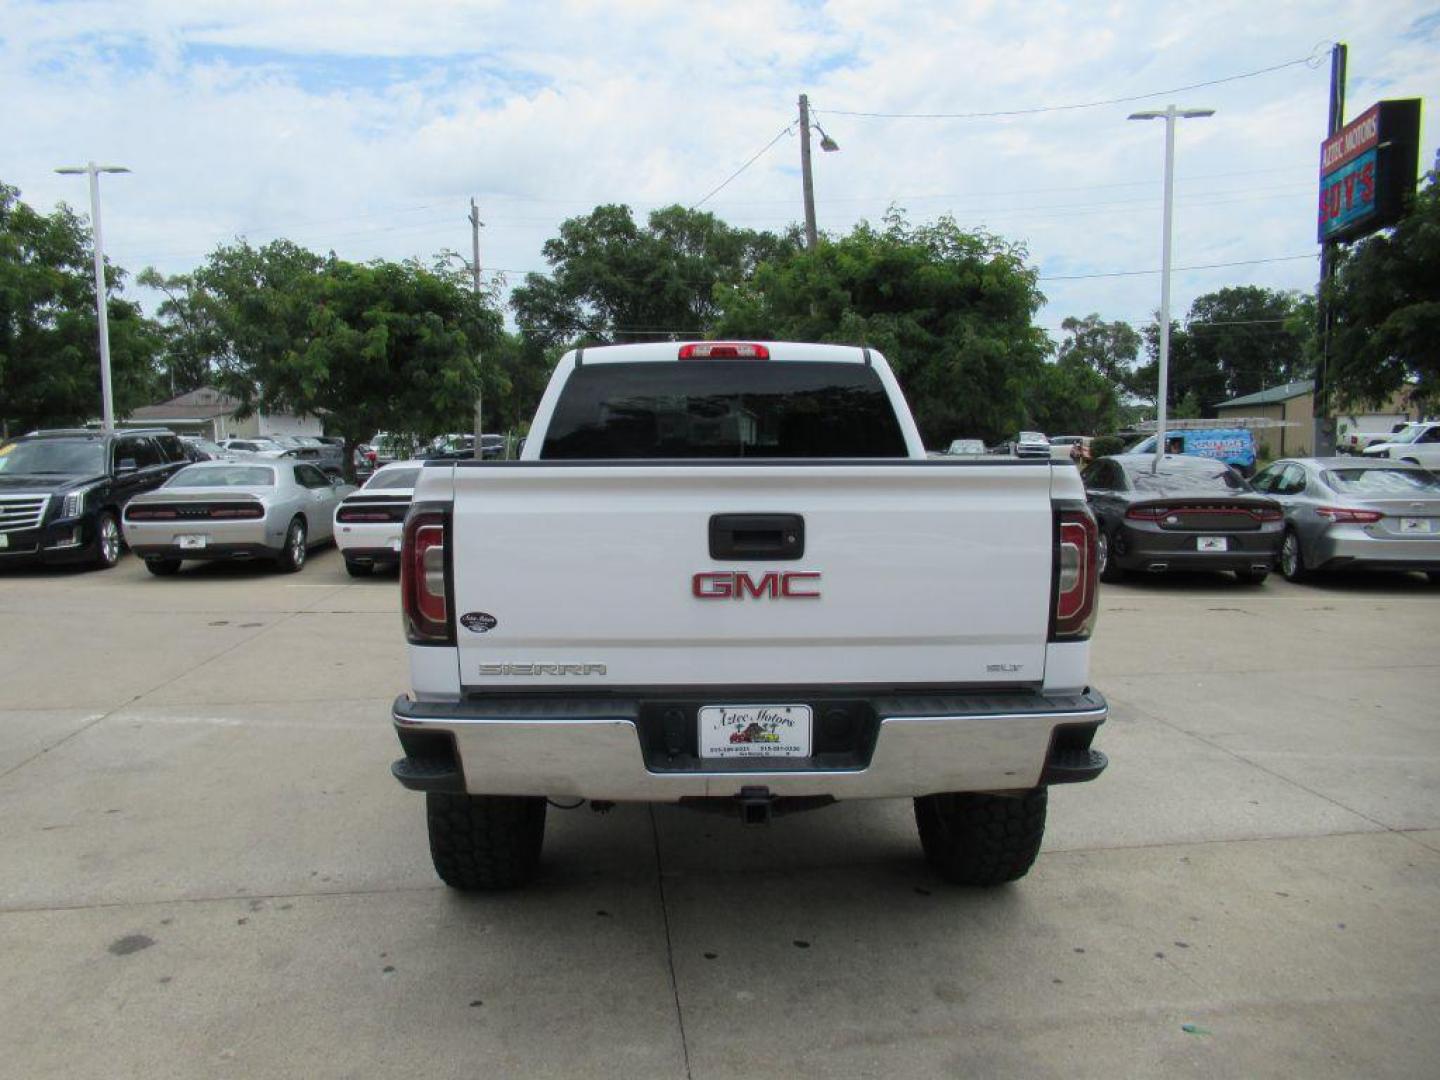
x: 737, y: 585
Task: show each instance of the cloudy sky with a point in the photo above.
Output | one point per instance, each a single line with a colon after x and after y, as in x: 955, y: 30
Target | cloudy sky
x: 365, y: 127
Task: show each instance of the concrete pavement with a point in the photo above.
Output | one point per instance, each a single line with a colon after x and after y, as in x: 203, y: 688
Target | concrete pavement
x: 206, y: 870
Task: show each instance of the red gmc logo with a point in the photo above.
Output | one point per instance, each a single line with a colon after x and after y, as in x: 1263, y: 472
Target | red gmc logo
x: 737, y: 585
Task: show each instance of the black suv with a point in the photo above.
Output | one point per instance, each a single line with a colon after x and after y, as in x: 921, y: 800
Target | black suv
x: 61, y: 492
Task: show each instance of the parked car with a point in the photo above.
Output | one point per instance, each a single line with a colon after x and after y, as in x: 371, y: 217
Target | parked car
x: 255, y: 444
x: 1233, y: 446
x: 1191, y: 514
x: 391, y: 448
x: 1347, y: 511
x: 1355, y: 440
x: 1416, y: 443
x: 370, y: 522
x: 1031, y: 444
x: 199, y: 449
x: 258, y: 509
x: 697, y: 544
x: 61, y: 492
x: 966, y: 447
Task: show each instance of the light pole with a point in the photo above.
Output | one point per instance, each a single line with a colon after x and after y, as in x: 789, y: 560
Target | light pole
x: 807, y: 180
x: 1169, y: 115
x: 101, y: 307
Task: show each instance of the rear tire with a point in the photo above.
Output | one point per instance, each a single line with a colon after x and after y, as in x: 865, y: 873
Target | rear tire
x: 485, y: 842
x: 1109, y: 570
x: 292, y: 555
x: 981, y: 839
x: 1292, y: 558
x: 1251, y: 577
x: 358, y: 569
x: 163, y: 567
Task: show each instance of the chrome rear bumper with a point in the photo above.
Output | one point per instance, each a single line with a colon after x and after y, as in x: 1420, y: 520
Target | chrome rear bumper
x: 593, y: 750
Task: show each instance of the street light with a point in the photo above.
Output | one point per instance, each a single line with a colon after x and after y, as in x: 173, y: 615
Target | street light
x: 101, y: 307
x: 1169, y: 115
x: 807, y: 181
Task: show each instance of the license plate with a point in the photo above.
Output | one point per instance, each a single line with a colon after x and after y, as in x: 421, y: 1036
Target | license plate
x: 190, y: 543
x: 1420, y: 525
x: 1211, y: 543
x: 748, y: 731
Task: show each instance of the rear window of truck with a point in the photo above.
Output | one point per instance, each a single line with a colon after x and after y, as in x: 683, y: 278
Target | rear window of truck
x: 723, y: 409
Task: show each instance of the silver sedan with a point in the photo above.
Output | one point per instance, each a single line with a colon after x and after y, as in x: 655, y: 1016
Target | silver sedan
x: 1342, y: 511
x: 257, y: 509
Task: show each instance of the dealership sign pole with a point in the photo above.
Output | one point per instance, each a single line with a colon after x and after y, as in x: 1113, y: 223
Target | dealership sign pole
x: 1367, y: 179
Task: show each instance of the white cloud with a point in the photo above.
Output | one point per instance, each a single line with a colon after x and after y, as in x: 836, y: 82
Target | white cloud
x: 365, y: 126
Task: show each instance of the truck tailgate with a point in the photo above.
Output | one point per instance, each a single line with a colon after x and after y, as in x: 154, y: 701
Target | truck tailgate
x: 926, y: 574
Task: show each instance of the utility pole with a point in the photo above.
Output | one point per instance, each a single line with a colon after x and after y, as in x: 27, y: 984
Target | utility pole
x: 1323, y: 436
x: 807, y: 178
x: 475, y: 224
x: 102, y: 312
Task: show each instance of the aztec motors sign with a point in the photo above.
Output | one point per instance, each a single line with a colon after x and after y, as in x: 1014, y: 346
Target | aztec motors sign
x: 1367, y: 170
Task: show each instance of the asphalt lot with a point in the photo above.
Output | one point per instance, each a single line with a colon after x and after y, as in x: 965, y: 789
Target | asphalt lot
x: 206, y: 869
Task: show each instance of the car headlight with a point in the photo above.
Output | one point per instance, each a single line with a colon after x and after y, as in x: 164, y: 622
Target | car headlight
x: 74, y: 504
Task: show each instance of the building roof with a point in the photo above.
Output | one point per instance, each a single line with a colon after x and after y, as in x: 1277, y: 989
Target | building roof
x: 1273, y: 395
x: 202, y: 404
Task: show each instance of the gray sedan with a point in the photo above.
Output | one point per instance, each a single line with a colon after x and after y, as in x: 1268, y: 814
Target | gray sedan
x: 1342, y: 511
x: 259, y: 509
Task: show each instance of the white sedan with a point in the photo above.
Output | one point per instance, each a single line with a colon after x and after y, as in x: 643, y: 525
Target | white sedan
x: 369, y: 523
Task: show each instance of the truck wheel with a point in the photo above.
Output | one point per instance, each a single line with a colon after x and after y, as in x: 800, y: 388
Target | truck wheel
x: 485, y: 842
x: 981, y: 839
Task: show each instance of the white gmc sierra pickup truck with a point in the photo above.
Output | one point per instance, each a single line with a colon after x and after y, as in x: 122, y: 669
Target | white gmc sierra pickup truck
x: 725, y: 574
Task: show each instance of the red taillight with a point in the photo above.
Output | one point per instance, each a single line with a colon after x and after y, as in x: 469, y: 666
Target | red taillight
x: 1341, y: 515
x: 237, y: 512
x: 370, y: 514
x: 1266, y: 513
x: 423, y: 579
x: 723, y: 350
x: 1076, y: 576
x: 143, y: 513
x: 1147, y: 513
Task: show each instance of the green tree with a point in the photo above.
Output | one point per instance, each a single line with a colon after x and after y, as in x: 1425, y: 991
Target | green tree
x: 1243, y: 339
x: 380, y: 346
x: 1384, y: 307
x: 49, y: 343
x: 1110, y: 348
x: 189, y: 334
x: 618, y: 281
x: 1070, y: 397
x: 950, y: 309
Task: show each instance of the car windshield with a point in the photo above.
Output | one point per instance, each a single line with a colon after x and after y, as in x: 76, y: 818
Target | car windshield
x: 1169, y: 480
x: 1383, y: 481
x: 59, y: 457
x: 393, y: 478
x: 223, y: 476
x: 206, y: 445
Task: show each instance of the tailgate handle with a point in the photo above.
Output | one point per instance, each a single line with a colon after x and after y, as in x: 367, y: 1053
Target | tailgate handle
x: 757, y: 536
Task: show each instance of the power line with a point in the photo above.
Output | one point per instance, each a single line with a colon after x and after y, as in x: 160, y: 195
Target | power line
x: 1311, y: 61
x: 1197, y: 266
x: 753, y: 158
